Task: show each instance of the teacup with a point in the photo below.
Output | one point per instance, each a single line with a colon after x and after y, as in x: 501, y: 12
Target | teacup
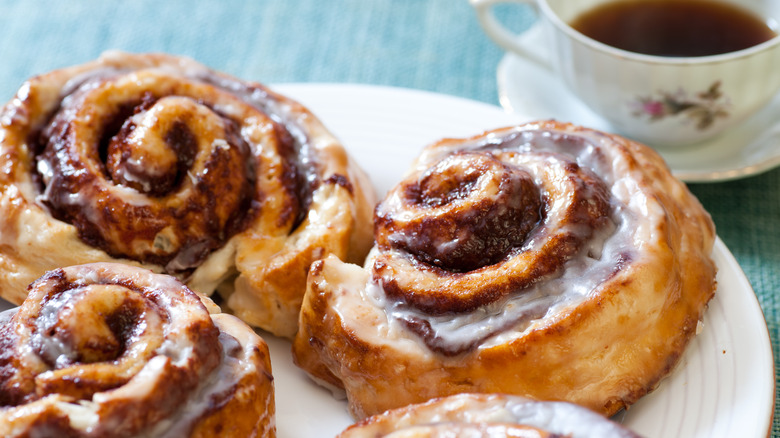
x: 659, y: 100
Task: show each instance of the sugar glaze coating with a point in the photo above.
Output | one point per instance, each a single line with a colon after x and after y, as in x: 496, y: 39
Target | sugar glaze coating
x: 594, y: 304
x: 159, y: 161
x: 488, y: 415
x: 107, y: 349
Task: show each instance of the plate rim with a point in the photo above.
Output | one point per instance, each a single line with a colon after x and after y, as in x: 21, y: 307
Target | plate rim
x: 755, y: 305
x: 719, y: 246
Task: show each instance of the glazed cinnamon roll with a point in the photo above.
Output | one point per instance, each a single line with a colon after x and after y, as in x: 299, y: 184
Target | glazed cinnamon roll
x: 544, y: 260
x: 108, y: 349
x: 488, y: 415
x: 159, y: 161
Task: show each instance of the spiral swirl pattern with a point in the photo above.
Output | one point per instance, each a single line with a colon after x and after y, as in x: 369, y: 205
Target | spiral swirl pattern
x: 478, y: 237
x: 106, y: 348
x: 160, y: 161
x: 487, y: 224
x: 174, y: 182
x: 545, y: 260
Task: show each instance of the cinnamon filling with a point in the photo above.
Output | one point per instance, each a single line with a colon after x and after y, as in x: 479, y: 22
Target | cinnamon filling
x: 161, y: 173
x: 464, y: 230
x: 493, y: 235
x: 103, y: 333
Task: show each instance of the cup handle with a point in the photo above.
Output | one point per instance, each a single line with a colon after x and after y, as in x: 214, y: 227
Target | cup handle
x: 501, y: 35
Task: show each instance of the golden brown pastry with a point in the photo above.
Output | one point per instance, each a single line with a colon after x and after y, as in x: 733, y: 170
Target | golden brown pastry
x: 107, y: 349
x: 488, y: 415
x: 159, y: 161
x: 543, y: 260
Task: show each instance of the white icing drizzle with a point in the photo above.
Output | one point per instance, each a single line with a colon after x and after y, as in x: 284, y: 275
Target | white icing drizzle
x: 564, y: 418
x: 476, y: 415
x: 580, y: 276
x: 249, y: 104
x: 6, y: 315
x: 213, y: 391
x: 237, y: 350
x: 52, y: 348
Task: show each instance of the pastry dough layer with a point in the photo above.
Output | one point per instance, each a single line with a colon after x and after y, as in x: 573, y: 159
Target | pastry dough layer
x: 487, y: 415
x: 594, y: 305
x: 158, y: 161
x: 107, y: 349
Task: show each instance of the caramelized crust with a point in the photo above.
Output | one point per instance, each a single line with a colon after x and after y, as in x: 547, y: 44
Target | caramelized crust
x: 111, y: 350
x: 159, y: 161
x: 592, y: 301
x: 487, y: 415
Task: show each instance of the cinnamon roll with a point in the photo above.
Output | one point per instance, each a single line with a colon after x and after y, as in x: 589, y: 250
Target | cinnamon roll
x: 544, y: 260
x: 158, y: 161
x: 107, y: 349
x: 488, y: 415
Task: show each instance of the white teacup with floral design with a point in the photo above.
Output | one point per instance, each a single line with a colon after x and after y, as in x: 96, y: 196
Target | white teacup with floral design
x: 662, y: 101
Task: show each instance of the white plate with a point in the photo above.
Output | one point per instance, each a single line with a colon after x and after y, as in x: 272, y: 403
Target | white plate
x: 750, y: 148
x: 724, y: 386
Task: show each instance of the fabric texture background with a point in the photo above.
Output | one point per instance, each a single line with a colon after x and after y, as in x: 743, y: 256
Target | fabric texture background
x: 434, y: 45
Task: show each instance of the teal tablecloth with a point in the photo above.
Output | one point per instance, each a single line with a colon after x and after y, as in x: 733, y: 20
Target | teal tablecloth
x: 433, y: 45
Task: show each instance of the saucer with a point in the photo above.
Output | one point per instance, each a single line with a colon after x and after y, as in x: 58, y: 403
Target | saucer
x: 526, y: 88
